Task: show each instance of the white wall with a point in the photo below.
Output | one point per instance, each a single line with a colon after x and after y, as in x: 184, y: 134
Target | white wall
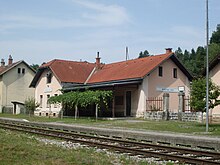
x: 43, y: 88
x: 15, y: 86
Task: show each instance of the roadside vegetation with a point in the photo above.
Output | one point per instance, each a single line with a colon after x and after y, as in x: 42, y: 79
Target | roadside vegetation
x: 135, y: 124
x: 19, y: 148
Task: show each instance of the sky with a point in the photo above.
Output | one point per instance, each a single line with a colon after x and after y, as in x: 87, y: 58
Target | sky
x: 38, y: 31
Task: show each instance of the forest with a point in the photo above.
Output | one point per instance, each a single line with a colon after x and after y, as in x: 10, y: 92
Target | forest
x: 195, y: 59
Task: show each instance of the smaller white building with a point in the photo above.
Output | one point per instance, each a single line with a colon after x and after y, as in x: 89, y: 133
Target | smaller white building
x: 15, y: 78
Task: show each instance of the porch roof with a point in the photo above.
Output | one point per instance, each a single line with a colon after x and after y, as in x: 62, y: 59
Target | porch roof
x: 105, y: 84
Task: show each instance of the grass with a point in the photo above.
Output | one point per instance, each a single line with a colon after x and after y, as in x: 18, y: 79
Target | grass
x: 139, y: 124
x: 21, y: 149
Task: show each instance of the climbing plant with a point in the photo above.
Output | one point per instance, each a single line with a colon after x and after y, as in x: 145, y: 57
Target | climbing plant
x: 83, y: 99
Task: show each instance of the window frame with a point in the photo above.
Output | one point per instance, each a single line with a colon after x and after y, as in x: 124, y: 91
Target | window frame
x: 160, y: 71
x: 48, y: 104
x: 41, y: 101
x: 174, y: 72
x: 49, y: 77
x: 19, y: 70
x: 23, y: 70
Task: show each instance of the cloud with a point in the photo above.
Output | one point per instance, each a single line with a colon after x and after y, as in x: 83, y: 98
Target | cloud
x: 92, y: 15
x: 104, y: 14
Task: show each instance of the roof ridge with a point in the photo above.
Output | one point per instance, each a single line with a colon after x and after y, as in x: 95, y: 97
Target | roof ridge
x: 139, y: 59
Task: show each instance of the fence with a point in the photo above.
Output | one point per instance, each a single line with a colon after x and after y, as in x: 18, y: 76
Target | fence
x: 154, y: 104
x: 186, y: 102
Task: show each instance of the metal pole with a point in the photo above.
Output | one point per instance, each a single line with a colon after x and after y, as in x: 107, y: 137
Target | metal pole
x: 207, y: 67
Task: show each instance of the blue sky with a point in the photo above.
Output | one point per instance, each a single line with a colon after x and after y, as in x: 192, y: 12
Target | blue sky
x: 42, y: 30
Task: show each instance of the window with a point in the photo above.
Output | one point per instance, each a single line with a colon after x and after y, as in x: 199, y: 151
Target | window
x: 160, y: 71
x: 23, y: 70
x: 49, y: 76
x: 48, y: 105
x: 174, y: 72
x: 19, y: 70
x: 41, y: 100
x: 55, y: 105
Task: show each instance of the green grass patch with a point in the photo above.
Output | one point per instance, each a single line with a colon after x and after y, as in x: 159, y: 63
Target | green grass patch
x: 138, y: 124
x: 18, y: 148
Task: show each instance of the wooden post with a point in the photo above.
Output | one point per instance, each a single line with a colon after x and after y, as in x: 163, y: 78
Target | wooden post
x: 113, y: 106
x: 96, y: 112
x: 76, y: 111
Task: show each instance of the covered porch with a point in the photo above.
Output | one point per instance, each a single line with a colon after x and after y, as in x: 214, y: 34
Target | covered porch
x: 124, y: 102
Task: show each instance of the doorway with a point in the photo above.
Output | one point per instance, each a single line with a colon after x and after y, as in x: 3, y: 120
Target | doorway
x: 128, y: 103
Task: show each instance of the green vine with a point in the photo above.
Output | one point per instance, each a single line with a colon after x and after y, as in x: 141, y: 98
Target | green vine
x: 83, y: 99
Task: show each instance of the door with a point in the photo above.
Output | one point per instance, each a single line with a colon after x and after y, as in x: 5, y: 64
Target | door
x: 128, y: 103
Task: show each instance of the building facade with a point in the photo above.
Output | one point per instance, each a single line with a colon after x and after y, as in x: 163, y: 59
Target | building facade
x: 14, y: 85
x: 215, y: 77
x: 132, y: 81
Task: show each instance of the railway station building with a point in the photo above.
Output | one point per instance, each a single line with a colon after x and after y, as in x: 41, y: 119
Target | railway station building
x: 133, y: 82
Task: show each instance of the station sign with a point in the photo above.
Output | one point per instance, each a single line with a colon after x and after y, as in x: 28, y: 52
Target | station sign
x: 171, y: 90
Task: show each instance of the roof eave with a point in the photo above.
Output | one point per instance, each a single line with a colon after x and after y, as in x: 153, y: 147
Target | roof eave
x: 105, y: 84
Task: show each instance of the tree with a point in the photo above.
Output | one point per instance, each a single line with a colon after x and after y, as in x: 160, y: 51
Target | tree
x: 198, y: 95
x: 83, y: 99
x: 144, y: 54
x: 179, y: 54
x: 35, y: 66
x: 30, y: 104
x: 215, y: 38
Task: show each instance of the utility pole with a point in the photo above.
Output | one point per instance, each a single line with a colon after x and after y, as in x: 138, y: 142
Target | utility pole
x: 207, y: 67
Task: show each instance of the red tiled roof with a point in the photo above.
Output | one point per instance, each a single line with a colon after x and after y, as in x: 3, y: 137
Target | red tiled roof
x: 130, y: 69
x: 70, y: 71
x: 5, y: 68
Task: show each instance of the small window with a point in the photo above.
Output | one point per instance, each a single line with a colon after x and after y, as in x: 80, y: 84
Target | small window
x: 160, y: 71
x: 48, y: 105
x: 41, y: 100
x: 174, y: 72
x: 19, y: 70
x: 54, y: 114
x: 49, y: 77
x: 40, y: 114
x: 46, y: 114
x: 23, y: 70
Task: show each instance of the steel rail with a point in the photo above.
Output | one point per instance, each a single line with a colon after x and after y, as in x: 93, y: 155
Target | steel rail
x: 162, y: 154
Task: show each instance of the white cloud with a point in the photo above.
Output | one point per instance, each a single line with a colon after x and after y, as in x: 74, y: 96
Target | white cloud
x: 93, y: 15
x: 104, y: 14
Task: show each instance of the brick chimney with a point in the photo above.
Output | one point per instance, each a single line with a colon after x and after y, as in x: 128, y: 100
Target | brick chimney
x: 10, y: 60
x: 2, y: 62
x: 98, y: 64
x: 168, y: 50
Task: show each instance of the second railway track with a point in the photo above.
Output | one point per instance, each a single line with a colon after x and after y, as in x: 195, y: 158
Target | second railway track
x: 182, y: 155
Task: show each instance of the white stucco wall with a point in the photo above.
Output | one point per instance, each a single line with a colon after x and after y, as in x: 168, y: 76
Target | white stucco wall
x: 15, y: 86
x: 43, y: 88
x: 215, y: 76
x: 141, y: 96
x: 149, y: 86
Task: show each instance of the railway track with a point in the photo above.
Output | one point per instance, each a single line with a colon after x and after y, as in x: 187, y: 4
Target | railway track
x: 182, y: 155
